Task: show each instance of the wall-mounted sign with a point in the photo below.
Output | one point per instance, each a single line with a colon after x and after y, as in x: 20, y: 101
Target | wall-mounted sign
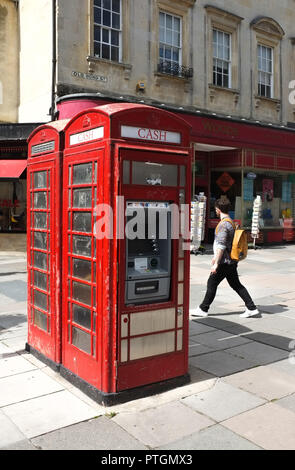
x: 154, y: 135
x: 89, y: 76
x: 42, y: 148
x: 87, y: 136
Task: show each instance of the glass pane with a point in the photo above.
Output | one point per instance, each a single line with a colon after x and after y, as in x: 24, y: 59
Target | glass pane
x: 82, y: 316
x: 115, y: 54
x: 82, y: 246
x: 154, y: 174
x: 116, y: 6
x: 105, y: 51
x: 40, y: 320
x: 97, y: 15
x: 40, y: 300
x: 82, y: 173
x: 126, y: 172
x: 82, y: 293
x: 40, y: 179
x: 40, y: 220
x: 82, y: 198
x: 106, y: 18
x: 169, y: 21
x: 105, y: 36
x: 115, y: 21
x: 40, y: 200
x: 82, y: 269
x: 40, y: 260
x: 182, y: 176
x: 82, y: 222
x: 81, y: 340
x: 40, y: 280
x: 115, y: 38
x: 40, y: 240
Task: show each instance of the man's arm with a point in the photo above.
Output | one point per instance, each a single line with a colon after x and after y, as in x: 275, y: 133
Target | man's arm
x: 221, y: 242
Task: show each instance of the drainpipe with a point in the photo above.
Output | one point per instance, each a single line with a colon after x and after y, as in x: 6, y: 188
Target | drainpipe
x: 54, y: 61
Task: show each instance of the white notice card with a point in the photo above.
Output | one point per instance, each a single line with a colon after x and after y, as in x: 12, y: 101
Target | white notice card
x: 141, y: 264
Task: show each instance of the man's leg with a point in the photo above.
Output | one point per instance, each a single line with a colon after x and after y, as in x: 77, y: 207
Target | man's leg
x: 212, y: 284
x: 232, y: 278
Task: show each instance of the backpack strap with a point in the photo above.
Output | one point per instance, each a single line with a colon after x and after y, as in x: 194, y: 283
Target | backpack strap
x: 226, y: 219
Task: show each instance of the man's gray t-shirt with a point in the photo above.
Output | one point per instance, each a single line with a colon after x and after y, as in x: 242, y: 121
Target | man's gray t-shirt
x: 224, y: 240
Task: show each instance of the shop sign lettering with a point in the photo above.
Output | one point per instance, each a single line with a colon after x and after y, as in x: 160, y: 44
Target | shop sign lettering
x: 219, y: 128
x: 4, y: 203
x: 87, y: 136
x: 154, y: 135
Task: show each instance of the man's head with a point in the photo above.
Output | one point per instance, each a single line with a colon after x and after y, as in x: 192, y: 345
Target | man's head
x: 222, y: 205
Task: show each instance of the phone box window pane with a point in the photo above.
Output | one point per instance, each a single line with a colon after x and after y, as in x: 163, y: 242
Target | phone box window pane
x: 82, y: 293
x: 82, y: 269
x: 40, y: 280
x: 82, y: 173
x: 82, y: 245
x: 82, y: 198
x: 82, y: 222
x: 154, y: 174
x: 40, y: 180
x: 40, y: 200
x: 40, y: 240
x: 40, y: 300
x: 82, y: 316
x: 40, y: 220
x: 40, y: 320
x: 40, y: 260
x: 81, y: 340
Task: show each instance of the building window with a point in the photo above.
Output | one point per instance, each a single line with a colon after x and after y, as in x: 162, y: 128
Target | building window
x: 170, y: 51
x: 221, y: 59
x: 265, y: 71
x: 108, y: 29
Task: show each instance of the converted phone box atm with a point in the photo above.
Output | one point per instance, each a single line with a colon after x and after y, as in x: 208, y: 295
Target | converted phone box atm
x: 125, y: 272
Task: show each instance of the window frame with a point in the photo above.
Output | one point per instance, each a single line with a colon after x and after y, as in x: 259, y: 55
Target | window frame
x: 215, y: 59
x: 110, y: 29
x: 265, y: 72
x: 165, y: 44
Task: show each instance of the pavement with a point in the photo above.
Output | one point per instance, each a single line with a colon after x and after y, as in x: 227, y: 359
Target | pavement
x: 242, y: 390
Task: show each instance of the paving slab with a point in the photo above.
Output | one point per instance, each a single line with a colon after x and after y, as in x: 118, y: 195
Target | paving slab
x: 287, y: 366
x: 220, y: 363
x: 288, y: 403
x: 14, y: 365
x: 9, y: 432
x: 196, y: 328
x: 223, y: 401
x: 258, y: 354
x: 48, y: 413
x: 265, y: 382
x: 97, y: 434
x: 219, y: 340
x: 20, y: 445
x: 159, y: 426
x: 270, y: 427
x: 26, y: 386
x: 275, y: 339
x: 196, y: 349
x: 214, y: 438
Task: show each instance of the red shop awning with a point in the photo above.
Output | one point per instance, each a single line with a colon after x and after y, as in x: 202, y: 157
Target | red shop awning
x: 10, y: 169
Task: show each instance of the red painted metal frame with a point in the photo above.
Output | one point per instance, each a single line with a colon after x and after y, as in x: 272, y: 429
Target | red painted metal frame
x: 47, y: 343
x: 105, y: 375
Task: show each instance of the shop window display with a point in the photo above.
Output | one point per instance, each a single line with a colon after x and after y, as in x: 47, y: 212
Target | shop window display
x: 277, y: 191
x: 13, y: 206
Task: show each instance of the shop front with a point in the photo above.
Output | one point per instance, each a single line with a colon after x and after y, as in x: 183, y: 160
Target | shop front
x: 243, y: 161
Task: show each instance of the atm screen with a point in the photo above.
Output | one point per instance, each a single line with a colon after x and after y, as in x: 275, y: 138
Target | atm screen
x: 140, y: 247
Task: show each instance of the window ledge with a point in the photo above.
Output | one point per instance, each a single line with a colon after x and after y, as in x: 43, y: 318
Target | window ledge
x: 270, y: 100
x: 221, y: 88
x: 92, y: 61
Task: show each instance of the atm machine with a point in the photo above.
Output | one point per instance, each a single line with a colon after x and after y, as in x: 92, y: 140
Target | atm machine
x: 148, y: 254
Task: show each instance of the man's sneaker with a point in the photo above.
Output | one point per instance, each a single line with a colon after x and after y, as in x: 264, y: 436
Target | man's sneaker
x: 198, y: 312
x: 249, y: 313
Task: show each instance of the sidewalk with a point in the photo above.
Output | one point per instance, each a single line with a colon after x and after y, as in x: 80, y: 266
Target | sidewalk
x: 242, y: 390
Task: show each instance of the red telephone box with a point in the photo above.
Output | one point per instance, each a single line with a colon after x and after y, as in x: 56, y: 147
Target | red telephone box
x: 44, y: 241
x: 125, y: 299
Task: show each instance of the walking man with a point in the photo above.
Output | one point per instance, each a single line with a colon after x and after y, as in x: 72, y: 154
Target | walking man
x: 223, y: 266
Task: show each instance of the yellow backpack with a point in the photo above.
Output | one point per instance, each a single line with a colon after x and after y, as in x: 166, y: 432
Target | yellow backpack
x: 239, y: 249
